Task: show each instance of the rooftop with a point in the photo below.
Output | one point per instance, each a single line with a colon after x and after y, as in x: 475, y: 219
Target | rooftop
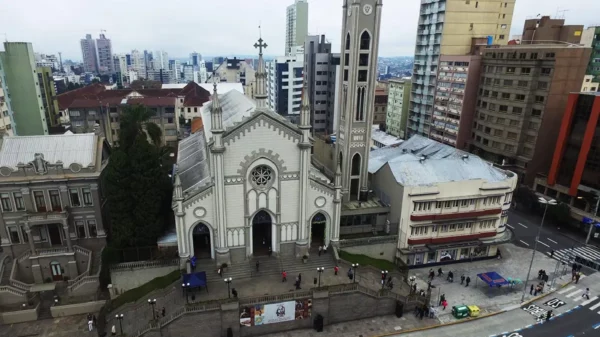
x: 222, y: 87
x: 192, y: 162
x: 384, y: 138
x: 420, y: 161
x: 235, y: 107
x: 67, y: 149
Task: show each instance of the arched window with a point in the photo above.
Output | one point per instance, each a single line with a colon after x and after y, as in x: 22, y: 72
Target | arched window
x: 360, y: 104
x: 341, y: 162
x: 365, y: 41
x: 348, y: 41
x: 356, y: 164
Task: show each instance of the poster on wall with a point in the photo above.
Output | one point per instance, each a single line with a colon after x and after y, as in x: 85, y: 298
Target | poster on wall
x: 261, y: 314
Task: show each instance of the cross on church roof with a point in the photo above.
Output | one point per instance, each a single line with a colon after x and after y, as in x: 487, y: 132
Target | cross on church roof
x: 260, y: 45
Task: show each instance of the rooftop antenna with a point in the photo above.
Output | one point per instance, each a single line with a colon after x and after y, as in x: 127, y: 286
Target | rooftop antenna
x: 259, y: 30
x: 560, y: 13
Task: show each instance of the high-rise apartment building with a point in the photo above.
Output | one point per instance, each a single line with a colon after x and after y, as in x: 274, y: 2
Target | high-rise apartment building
x: 175, y: 69
x: 138, y: 63
x: 547, y: 30
x: 296, y: 27
x: 397, y: 106
x: 120, y: 62
x: 195, y: 59
x: 457, y: 82
x: 89, y: 54
x: 380, y: 104
x: 447, y: 28
x: 105, y: 55
x: 22, y: 90
x: 284, y: 84
x: 5, y: 124
x: 48, y: 90
x: 591, y: 38
x: 161, y: 60
x: 321, y: 70
x: 521, y: 100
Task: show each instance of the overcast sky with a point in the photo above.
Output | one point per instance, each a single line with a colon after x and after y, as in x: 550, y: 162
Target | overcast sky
x: 222, y: 27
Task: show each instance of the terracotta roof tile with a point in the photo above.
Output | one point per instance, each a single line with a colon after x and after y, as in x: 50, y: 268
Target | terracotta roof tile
x: 197, y: 125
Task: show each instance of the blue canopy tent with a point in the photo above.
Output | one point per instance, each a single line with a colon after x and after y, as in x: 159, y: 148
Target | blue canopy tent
x: 196, y: 280
x: 493, y: 279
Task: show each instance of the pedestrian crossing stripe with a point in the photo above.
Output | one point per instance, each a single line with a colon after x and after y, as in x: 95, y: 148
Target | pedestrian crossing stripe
x: 595, y: 306
x: 574, y: 293
x: 567, y: 255
x: 566, y: 290
x: 589, y: 301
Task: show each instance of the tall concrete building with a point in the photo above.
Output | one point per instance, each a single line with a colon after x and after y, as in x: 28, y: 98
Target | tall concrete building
x: 284, y: 84
x: 138, y: 63
x: 5, y: 123
x: 397, y: 106
x: 321, y: 75
x: 296, y: 27
x: 195, y: 59
x: 547, y: 30
x: 89, y: 54
x: 48, y: 90
x: 105, y: 55
x: 360, y: 46
x: 22, y: 90
x: 161, y: 60
x: 380, y: 104
x: 521, y: 101
x: 447, y: 28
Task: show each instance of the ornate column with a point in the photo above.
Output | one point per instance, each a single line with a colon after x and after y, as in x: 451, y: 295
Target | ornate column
x: 337, y: 206
x: 98, y: 210
x: 30, y: 237
x: 65, y: 225
x: 305, y: 146
x: 180, y: 229
x: 27, y: 200
x: 64, y: 196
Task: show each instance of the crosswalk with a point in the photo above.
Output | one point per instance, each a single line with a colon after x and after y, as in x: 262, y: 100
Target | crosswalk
x: 575, y: 294
x: 567, y: 255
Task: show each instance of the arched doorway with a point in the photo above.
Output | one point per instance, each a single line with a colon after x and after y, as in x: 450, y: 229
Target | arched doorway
x: 317, y: 230
x: 261, y: 233
x: 201, y: 239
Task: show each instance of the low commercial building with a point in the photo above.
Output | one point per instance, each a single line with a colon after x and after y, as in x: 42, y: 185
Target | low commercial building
x: 51, y: 222
x: 574, y: 176
x: 448, y: 205
x: 381, y: 100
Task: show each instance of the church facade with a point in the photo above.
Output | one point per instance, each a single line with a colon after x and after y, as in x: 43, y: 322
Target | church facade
x: 245, y: 186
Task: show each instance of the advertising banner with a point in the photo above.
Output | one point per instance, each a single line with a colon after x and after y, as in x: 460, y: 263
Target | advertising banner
x: 275, y: 312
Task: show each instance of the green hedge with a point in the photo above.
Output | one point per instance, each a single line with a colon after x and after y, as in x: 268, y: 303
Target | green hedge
x: 367, y: 261
x: 135, y: 294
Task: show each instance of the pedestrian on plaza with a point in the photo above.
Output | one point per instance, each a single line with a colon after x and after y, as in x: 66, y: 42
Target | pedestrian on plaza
x: 325, y: 249
x: 421, y: 313
x: 442, y: 298
x: 414, y: 287
x: 234, y: 293
x: 536, y: 291
x: 94, y: 321
x: 320, y: 250
x: 462, y: 279
x: 586, y: 294
x: 220, y: 271
x: 573, y: 273
x: 336, y: 269
x: 90, y: 325
x: 163, y: 312
x: 350, y: 274
x: 428, y: 285
x: 444, y: 304
x: 540, y: 273
x: 531, y: 290
x: 270, y: 251
x: 467, y: 281
x: 113, y: 330
x: 440, y: 272
x: 450, y: 277
x: 297, y: 284
x: 577, y: 276
x: 574, y: 266
x: 548, y: 315
x: 257, y: 265
x: 284, y: 276
x: 552, y: 253
x: 431, y: 274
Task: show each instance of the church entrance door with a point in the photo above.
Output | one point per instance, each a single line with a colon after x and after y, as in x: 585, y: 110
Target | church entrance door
x: 261, y: 233
x: 317, y: 230
x: 201, y: 237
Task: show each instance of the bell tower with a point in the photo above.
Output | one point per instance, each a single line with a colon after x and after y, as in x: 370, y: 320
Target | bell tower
x: 360, y: 44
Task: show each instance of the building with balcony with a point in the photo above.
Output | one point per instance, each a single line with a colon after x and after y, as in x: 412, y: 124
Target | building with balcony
x: 380, y: 104
x: 449, y: 205
x: 447, y: 28
x: 521, y: 101
x: 234, y: 70
x: 93, y: 108
x: 48, y: 92
x: 5, y: 125
x: 51, y: 223
x: 296, y: 25
x: 397, y: 106
x: 574, y: 175
x: 457, y: 82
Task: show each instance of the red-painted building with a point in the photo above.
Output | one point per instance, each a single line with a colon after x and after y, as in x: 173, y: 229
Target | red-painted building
x: 574, y: 175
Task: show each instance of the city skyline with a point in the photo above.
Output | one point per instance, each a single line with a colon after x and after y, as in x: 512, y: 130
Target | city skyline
x: 179, y: 37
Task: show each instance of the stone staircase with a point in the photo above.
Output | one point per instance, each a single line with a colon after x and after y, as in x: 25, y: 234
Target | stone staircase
x: 5, y: 277
x: 268, y: 266
x: 46, y: 301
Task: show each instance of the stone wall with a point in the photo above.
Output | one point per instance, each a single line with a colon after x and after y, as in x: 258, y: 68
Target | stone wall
x: 76, y: 309
x: 19, y: 316
x: 287, y: 249
x: 127, y: 276
x: 9, y: 297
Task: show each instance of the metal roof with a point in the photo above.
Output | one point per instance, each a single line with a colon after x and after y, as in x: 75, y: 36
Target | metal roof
x: 68, y: 149
x: 420, y: 161
x: 235, y: 106
x: 192, y: 162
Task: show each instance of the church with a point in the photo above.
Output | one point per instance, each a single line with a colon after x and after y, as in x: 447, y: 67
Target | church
x: 245, y: 185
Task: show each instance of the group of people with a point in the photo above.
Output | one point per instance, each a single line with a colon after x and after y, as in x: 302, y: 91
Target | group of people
x: 424, y: 311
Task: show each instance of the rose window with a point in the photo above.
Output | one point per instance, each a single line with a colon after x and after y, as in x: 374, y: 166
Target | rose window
x: 261, y: 175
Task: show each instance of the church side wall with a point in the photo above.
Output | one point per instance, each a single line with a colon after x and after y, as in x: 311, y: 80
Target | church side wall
x: 289, y: 200
x: 320, y: 199
x: 199, y: 210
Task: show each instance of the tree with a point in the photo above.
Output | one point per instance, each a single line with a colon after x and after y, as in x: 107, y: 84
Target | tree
x: 134, y: 123
x: 95, y: 80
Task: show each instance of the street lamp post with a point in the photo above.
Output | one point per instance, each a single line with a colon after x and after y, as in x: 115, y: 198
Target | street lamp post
x: 384, y: 274
x: 152, y: 303
x: 537, y: 238
x: 120, y: 318
x: 228, y: 281
x: 186, y: 290
x: 354, y: 266
x: 183, y: 289
x: 320, y: 271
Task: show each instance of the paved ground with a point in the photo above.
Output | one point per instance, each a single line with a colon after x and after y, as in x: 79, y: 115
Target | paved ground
x: 71, y: 326
x: 514, y: 264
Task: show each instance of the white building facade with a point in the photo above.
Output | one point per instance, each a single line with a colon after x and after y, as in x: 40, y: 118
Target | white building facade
x: 449, y: 205
x: 296, y: 25
x: 285, y: 84
x: 246, y: 184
